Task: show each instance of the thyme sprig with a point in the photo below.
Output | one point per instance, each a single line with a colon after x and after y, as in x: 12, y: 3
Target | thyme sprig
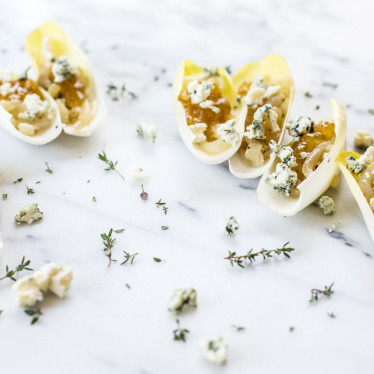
x: 129, y: 257
x: 179, y: 333
x: 48, y: 170
x: 111, y: 165
x: 316, y: 293
x: 163, y: 204
x: 11, y: 273
x: 19, y: 180
x: 251, y: 256
x: 30, y: 190
x: 108, y: 242
x: 34, y: 312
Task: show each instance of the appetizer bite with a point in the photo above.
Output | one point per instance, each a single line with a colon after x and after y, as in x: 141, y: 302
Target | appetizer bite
x: 27, y: 111
x: 358, y: 171
x: 64, y: 71
x: 305, y: 168
x: 208, y: 117
x: 265, y: 91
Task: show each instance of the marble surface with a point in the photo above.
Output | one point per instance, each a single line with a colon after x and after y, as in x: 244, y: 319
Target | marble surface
x: 104, y: 327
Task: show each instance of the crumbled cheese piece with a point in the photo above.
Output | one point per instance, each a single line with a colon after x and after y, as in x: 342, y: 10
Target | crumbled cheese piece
x: 283, y: 179
x: 230, y: 225
x: 356, y: 166
x: 26, y: 129
x: 257, y: 129
x: 35, y: 108
x: 327, y: 204
x: 29, y: 214
x: 148, y: 131
x: 285, y: 153
x: 29, y: 290
x: 303, y: 155
x: 214, y: 350
x: 5, y: 89
x: 62, y: 69
x: 139, y: 174
x: 198, y: 130
x: 199, y: 92
x: 258, y: 92
x: 362, y: 138
x: 301, y: 126
x: 335, y: 226
x: 227, y: 132
x: 254, y: 153
x: 371, y: 203
x: 182, y: 297
x: 209, y: 105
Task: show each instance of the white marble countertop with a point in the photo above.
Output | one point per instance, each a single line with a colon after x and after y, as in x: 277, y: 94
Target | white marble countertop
x: 104, y: 327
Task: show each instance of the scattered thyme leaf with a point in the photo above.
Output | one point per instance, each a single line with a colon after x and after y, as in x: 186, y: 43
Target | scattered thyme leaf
x: 129, y: 257
x: 94, y: 199
x: 251, y: 256
x: 228, y: 69
x: 143, y: 194
x: 292, y: 328
x: 128, y: 286
x: 111, y: 165
x: 48, y: 170
x: 238, y: 328
x: 19, y: 180
x: 30, y: 191
x: 308, y: 94
x: 164, y: 227
x: 179, y: 333
x: 332, y: 85
x: 371, y: 111
x: 34, y: 312
x: 164, y: 207
x: 119, y: 231
x: 11, y: 273
x: 331, y: 315
x: 156, y: 78
x: 155, y: 259
x: 315, y: 293
x: 5, y: 196
x: 317, y: 107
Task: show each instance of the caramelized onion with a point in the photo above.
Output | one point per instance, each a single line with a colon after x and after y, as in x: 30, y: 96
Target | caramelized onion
x: 315, y: 157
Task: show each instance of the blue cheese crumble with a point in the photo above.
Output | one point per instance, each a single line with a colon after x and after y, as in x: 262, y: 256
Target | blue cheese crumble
x: 208, y: 104
x: 62, y: 69
x: 357, y: 166
x: 301, y: 126
x: 29, y: 214
x: 230, y: 225
x: 227, y: 132
x: 258, y: 92
x: 198, y: 130
x: 199, y: 92
x: 362, y: 138
x: 181, y: 298
x: 327, y: 204
x: 214, y: 350
x: 147, y: 131
x: 35, y: 108
x: 285, y: 153
x: 257, y: 129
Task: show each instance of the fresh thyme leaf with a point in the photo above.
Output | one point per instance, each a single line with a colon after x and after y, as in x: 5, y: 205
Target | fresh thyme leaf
x: 111, y: 165
x: 228, y: 69
x: 119, y: 231
x: 5, y: 196
x: 164, y: 227
x: 1, y: 311
x: 34, y: 312
x: 30, y: 190
x: 170, y: 84
x: 155, y: 259
x: 308, y: 94
x: 48, y: 170
x: 238, y: 328
x: 164, y: 207
x: 108, y: 242
x: 94, y: 199
x: 332, y: 85
x: 19, y: 180
x: 143, y: 194
x: 315, y: 293
x: 317, y: 107
x: 38, y: 182
x: 179, y: 333
x: 251, y: 256
x: 156, y: 78
x: 129, y: 257
x: 371, y: 111
x: 11, y: 273
x: 128, y: 286
x: 331, y: 315
x: 292, y: 328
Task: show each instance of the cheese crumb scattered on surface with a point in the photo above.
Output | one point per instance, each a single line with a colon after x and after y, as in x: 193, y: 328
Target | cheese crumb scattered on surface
x: 182, y: 297
x: 327, y: 204
x: 214, y: 350
x: 139, y: 174
x: 363, y: 139
x: 29, y: 214
x: 230, y: 225
x: 147, y: 131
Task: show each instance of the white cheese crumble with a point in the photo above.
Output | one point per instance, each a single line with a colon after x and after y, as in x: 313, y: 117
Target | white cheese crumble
x: 199, y: 92
x: 334, y: 226
x: 29, y: 214
x: 303, y: 155
x: 258, y: 92
x: 182, y: 297
x: 301, y: 126
x: 327, y: 204
x: 35, y: 108
x: 214, y: 350
x: 356, y: 166
x: 227, y: 132
x: 62, y: 69
x: 209, y: 105
x: 285, y: 153
x: 147, y: 131
x: 139, y: 174
x: 230, y: 225
x: 362, y: 138
x: 257, y: 129
x: 5, y: 89
x: 198, y: 130
x: 29, y: 290
x: 283, y: 179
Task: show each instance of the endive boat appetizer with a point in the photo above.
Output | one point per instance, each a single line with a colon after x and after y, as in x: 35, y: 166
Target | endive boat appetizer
x: 358, y: 171
x: 305, y: 168
x: 64, y: 71
x: 208, y: 117
x: 265, y: 90
x: 27, y: 111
